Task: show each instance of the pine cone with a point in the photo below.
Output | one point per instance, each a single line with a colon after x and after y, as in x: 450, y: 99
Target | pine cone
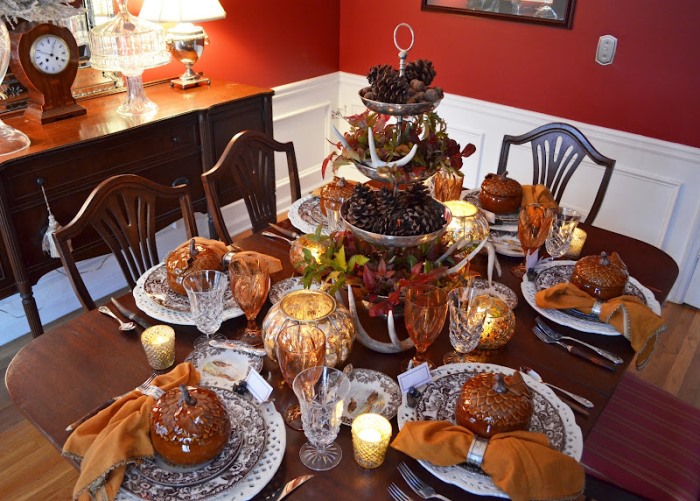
x: 391, y: 88
x: 422, y: 70
x: 376, y: 71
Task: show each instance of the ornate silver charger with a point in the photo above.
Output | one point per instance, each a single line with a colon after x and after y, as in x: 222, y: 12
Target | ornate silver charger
x: 497, y: 289
x: 247, y: 418
x: 305, y: 214
x: 370, y: 391
x: 556, y: 272
x: 160, y: 472
x: 146, y: 304
x: 223, y: 366
x: 550, y: 416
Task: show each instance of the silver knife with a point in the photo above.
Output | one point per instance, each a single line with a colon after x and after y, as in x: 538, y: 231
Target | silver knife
x: 289, y: 487
x: 130, y: 314
x: 600, y: 351
x: 284, y: 231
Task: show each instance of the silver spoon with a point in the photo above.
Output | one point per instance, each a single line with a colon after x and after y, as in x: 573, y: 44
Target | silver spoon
x: 269, y: 234
x: 123, y: 326
x: 534, y: 375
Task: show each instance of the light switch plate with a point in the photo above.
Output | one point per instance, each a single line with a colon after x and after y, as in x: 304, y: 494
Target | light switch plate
x: 606, y: 50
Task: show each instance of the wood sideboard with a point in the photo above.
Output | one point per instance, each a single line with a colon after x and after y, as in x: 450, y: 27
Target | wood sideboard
x: 182, y: 139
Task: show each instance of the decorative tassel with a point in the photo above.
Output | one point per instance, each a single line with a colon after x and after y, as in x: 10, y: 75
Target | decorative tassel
x: 47, y: 243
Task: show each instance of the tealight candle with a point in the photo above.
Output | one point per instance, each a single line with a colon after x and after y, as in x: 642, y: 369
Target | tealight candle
x: 159, y: 344
x: 370, y: 439
x: 577, y: 241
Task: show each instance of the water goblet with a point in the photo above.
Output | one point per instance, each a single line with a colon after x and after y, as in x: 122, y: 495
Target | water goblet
x: 299, y: 347
x: 205, y: 290
x: 534, y: 222
x: 321, y: 392
x: 250, y: 283
x: 424, y: 314
x: 463, y: 339
x: 562, y: 231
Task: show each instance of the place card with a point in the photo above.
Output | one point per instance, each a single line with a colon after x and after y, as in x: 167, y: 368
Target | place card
x: 415, y: 377
x: 258, y: 387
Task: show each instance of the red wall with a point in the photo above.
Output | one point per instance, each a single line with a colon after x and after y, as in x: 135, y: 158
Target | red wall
x: 650, y: 89
x: 267, y: 42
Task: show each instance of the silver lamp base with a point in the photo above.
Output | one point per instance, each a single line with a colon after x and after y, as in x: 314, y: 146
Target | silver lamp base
x: 186, y: 43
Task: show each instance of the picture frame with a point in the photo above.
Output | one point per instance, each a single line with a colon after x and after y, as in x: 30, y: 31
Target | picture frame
x: 554, y: 13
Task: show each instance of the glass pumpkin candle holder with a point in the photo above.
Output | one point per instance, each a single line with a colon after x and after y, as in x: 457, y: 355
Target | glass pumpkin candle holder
x: 468, y: 224
x: 317, y: 308
x: 493, y: 318
x: 296, y: 251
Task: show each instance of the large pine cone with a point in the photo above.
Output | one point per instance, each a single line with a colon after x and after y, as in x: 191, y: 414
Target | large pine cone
x: 376, y: 71
x: 391, y: 87
x: 422, y: 70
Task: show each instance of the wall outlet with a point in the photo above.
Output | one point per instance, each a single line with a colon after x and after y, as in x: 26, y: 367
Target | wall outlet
x: 606, y: 50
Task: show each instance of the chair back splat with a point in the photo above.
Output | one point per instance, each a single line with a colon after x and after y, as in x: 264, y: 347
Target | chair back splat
x: 125, y: 211
x: 248, y: 165
x: 557, y: 151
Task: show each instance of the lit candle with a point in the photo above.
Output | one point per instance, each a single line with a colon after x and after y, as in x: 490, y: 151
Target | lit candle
x: 467, y: 223
x: 577, y: 241
x: 370, y: 439
x: 495, y: 319
x: 159, y: 344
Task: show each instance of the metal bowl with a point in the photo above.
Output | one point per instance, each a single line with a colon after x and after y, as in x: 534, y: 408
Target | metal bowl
x: 395, y: 240
x: 385, y: 175
x: 399, y: 109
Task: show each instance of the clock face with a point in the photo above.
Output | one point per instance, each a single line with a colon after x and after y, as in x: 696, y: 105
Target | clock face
x: 50, y: 54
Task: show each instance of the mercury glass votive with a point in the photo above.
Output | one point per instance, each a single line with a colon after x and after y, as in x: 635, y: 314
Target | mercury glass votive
x: 370, y: 439
x: 309, y: 243
x: 496, y: 321
x: 468, y: 223
x: 159, y: 344
x: 577, y: 241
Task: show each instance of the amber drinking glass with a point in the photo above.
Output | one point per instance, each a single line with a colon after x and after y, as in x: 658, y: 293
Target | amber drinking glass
x: 250, y: 283
x: 424, y: 313
x: 299, y: 347
x: 534, y: 222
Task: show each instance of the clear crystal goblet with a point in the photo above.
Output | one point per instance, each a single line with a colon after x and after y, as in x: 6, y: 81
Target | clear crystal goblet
x: 205, y: 290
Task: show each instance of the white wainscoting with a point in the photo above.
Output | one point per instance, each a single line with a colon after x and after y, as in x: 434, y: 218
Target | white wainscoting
x: 654, y: 194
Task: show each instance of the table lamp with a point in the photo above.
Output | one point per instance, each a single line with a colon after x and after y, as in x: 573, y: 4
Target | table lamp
x: 129, y: 45
x: 185, y: 40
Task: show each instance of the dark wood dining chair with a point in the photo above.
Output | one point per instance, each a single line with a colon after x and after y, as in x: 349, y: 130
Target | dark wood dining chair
x: 647, y: 443
x: 248, y: 162
x: 557, y: 151
x: 122, y: 211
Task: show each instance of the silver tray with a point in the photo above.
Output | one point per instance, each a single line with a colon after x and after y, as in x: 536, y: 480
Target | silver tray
x: 400, y: 109
x: 385, y: 174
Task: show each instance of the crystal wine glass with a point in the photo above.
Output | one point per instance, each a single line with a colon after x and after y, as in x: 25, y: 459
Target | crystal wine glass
x: 562, y: 231
x: 533, y: 226
x: 205, y: 290
x: 11, y: 140
x: 250, y: 283
x: 321, y: 392
x: 463, y: 339
x: 299, y: 347
x: 424, y: 314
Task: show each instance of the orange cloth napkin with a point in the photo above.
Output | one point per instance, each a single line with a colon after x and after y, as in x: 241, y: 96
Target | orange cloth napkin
x: 520, y: 463
x: 117, y: 436
x: 627, y: 314
x: 540, y: 194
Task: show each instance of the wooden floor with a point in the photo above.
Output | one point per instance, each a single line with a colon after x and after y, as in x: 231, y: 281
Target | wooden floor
x: 33, y: 469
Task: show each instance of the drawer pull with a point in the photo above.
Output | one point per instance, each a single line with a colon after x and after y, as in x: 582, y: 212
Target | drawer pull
x: 175, y: 139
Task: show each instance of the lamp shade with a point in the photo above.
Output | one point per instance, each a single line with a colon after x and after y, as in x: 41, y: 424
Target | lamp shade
x: 176, y: 11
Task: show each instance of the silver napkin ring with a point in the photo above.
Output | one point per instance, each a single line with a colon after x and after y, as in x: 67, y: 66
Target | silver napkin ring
x: 597, y: 307
x: 477, y: 449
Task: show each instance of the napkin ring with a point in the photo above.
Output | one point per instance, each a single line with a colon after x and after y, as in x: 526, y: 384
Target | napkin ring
x: 597, y: 307
x: 477, y: 449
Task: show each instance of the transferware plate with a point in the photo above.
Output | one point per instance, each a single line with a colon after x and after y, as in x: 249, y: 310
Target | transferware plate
x: 305, y: 214
x: 223, y: 366
x: 370, y: 391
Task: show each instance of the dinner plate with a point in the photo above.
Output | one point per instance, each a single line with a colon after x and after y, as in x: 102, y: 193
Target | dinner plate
x: 156, y: 286
x: 555, y: 272
x: 249, y: 420
x: 439, y: 398
x: 285, y: 286
x: 223, y: 366
x: 370, y: 391
x: 506, y: 243
x: 305, y: 214
x: 145, y: 303
x: 501, y: 291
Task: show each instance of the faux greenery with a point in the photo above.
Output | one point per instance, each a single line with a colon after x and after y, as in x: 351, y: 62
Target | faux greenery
x: 36, y: 10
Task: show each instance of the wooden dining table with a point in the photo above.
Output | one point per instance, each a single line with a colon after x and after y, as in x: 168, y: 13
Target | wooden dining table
x: 74, y: 367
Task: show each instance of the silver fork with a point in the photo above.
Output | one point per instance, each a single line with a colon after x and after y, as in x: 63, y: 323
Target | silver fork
x: 397, y: 494
x: 418, y: 486
x: 558, y: 337
x: 148, y: 389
